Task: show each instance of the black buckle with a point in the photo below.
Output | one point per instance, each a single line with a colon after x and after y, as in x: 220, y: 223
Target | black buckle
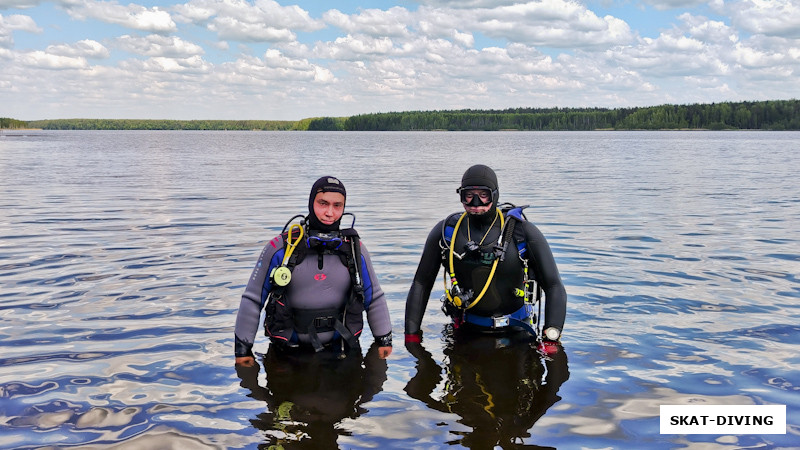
x: 324, y: 322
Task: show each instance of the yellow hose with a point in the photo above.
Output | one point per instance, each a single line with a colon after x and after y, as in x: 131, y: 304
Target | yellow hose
x: 291, y: 245
x: 457, y: 300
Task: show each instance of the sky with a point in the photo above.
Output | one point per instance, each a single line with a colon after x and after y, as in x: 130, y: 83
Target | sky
x: 295, y: 59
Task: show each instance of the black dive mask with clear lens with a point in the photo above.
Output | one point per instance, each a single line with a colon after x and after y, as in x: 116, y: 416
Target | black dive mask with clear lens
x: 324, y: 241
x: 476, y: 199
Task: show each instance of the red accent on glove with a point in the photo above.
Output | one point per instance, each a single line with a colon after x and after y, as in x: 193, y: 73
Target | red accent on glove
x: 415, y: 338
x: 548, y: 347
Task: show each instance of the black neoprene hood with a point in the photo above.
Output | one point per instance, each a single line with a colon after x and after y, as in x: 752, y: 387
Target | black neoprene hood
x: 324, y: 184
x: 481, y: 175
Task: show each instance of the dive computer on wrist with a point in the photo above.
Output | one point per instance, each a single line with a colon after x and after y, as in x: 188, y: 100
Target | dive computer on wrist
x: 552, y: 333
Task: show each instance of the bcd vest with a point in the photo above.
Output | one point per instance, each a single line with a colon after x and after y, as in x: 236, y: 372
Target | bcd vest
x: 472, y: 268
x: 282, y: 322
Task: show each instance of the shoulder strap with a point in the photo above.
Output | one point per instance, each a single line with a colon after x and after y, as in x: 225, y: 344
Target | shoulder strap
x: 515, y: 214
x: 448, y: 225
x: 352, y: 259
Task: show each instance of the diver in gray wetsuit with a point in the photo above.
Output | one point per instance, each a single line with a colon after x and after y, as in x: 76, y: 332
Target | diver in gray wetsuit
x: 315, y: 282
x: 489, y: 285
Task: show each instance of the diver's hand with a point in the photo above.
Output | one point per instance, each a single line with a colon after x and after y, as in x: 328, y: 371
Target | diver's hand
x: 549, y: 347
x: 384, y: 352
x: 415, y: 338
x: 245, y: 361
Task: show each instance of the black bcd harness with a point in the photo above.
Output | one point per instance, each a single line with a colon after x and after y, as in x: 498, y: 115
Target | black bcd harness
x: 456, y: 301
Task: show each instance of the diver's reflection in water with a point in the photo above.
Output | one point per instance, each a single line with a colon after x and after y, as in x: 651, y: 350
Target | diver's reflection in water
x: 309, y: 393
x: 499, y: 385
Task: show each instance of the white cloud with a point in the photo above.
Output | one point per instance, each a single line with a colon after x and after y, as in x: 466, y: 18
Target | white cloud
x: 132, y: 16
x: 668, y: 43
x: 192, y: 65
x: 755, y: 58
x: 373, y: 22
x: 86, y: 48
x: 465, y: 39
x: 712, y: 31
x: 674, y: 4
x: 275, y: 66
x: 762, y: 60
x: 14, y: 22
x: 467, y: 4
x: 157, y: 45
x: 670, y: 55
x: 236, y: 30
x: 240, y: 20
x: 551, y: 23
x: 446, y: 24
x: 195, y: 11
x: 351, y: 48
x: 42, y: 60
x: 770, y: 17
x: 19, y: 22
x: 18, y: 4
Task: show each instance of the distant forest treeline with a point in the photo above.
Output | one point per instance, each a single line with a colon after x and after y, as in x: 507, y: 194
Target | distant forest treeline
x: 5, y: 122
x: 766, y: 115
x: 145, y: 124
x: 763, y: 115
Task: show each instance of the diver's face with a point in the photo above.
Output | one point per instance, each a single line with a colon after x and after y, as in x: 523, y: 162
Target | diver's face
x: 329, y: 207
x: 483, y: 196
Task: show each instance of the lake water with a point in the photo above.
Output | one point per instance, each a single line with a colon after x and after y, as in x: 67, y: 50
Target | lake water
x: 123, y: 256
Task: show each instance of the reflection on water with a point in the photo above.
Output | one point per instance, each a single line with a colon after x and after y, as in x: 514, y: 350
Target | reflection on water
x: 123, y: 256
x: 308, y: 394
x: 499, y: 386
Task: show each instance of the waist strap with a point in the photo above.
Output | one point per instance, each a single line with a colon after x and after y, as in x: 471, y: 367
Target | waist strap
x: 518, y: 318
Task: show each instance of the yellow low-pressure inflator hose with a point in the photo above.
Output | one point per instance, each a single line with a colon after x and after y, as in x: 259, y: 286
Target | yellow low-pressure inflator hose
x: 281, y: 276
x: 292, y: 244
x: 457, y: 300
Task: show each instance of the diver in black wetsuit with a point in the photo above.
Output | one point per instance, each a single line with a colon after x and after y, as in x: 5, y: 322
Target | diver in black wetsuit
x: 488, y: 276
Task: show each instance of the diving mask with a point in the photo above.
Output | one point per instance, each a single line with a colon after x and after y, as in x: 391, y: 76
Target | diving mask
x: 475, y: 195
x: 324, y: 241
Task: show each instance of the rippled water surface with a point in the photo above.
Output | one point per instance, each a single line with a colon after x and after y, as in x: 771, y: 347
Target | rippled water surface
x: 123, y: 256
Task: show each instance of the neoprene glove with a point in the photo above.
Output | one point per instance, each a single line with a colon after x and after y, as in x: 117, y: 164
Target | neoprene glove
x: 549, y: 347
x: 414, y: 338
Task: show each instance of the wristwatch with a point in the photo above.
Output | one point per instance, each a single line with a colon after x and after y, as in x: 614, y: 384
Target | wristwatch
x: 552, y: 333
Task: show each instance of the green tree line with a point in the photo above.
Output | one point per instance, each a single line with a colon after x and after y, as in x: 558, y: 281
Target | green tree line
x: 144, y: 124
x: 311, y: 124
x: 8, y: 123
x: 763, y: 115
x: 760, y: 115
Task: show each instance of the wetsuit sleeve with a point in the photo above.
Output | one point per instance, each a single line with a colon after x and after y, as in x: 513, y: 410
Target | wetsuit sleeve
x: 378, y: 310
x: 253, y: 300
x: 546, y: 271
x: 421, y: 287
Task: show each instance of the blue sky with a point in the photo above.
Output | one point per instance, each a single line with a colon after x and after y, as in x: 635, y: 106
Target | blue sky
x: 288, y: 60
